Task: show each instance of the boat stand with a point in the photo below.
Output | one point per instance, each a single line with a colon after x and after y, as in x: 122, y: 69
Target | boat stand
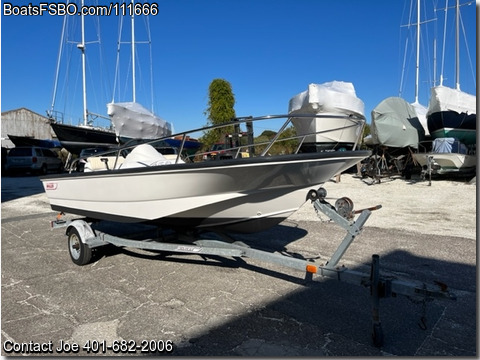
x: 82, y: 238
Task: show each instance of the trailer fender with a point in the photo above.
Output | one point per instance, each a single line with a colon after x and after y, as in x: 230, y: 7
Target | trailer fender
x: 83, y: 228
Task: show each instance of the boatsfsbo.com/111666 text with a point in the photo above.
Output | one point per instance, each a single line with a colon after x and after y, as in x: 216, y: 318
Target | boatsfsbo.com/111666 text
x: 62, y: 9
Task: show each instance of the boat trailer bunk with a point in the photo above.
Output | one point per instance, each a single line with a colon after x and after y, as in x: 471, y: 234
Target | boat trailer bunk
x: 82, y: 238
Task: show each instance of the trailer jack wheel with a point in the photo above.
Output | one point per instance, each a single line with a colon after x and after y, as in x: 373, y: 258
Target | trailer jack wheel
x: 80, y: 253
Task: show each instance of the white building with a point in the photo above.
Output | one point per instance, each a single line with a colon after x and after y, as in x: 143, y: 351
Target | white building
x: 24, y: 122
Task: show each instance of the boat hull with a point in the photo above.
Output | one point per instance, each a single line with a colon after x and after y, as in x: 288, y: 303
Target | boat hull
x: 77, y: 138
x: 449, y: 163
x: 333, y: 133
x: 452, y: 113
x: 339, y: 116
x: 241, y: 195
x: 31, y: 141
x: 452, y: 124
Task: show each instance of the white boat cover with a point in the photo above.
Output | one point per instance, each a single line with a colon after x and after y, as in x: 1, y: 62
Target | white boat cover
x: 448, y: 145
x: 422, y: 116
x: 133, y: 121
x: 443, y: 98
x: 395, y: 124
x: 144, y: 155
x: 334, y: 96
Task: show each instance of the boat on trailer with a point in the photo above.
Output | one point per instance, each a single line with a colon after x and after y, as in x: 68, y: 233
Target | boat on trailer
x: 240, y: 195
x: 86, y: 235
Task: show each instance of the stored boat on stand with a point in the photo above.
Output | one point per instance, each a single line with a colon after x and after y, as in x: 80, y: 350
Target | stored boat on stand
x: 452, y: 122
x: 337, y: 116
x: 131, y: 120
x: 451, y: 111
x: 75, y: 138
x: 395, y: 131
x: 445, y: 156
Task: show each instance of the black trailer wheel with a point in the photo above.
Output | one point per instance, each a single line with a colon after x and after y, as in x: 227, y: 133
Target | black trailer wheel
x: 80, y: 253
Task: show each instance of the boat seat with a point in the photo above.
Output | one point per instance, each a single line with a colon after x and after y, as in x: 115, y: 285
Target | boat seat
x: 97, y: 163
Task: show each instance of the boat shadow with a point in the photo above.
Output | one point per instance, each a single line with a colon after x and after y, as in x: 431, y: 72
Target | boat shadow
x: 279, y: 237
x: 332, y: 318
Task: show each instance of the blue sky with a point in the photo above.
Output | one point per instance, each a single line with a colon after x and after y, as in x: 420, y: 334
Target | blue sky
x: 269, y: 50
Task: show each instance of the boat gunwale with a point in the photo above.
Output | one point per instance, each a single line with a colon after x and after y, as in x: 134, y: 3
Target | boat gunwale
x: 240, y: 162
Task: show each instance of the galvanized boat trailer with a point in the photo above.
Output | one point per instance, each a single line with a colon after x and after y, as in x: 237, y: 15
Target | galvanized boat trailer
x: 82, y: 238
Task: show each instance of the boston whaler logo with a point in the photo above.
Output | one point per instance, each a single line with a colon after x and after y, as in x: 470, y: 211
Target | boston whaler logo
x: 51, y: 186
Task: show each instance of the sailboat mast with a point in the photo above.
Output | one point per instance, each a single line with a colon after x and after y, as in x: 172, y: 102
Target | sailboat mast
x: 444, y: 41
x: 133, y: 53
x: 418, y: 52
x: 81, y: 46
x: 457, y: 47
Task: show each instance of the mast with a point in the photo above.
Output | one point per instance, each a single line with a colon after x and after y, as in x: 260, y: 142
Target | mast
x: 81, y: 46
x: 444, y: 40
x: 434, y: 62
x: 417, y: 72
x: 133, y: 53
x: 457, y: 47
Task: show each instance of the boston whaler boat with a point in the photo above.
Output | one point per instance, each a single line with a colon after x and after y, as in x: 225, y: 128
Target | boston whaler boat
x: 241, y: 195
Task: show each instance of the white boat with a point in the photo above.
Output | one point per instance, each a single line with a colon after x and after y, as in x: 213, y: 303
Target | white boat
x: 243, y: 195
x: 447, y: 155
x: 130, y: 119
x: 452, y: 112
x: 339, y: 116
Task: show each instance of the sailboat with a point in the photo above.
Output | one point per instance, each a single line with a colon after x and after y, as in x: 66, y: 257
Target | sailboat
x: 72, y: 137
x: 396, y: 123
x: 451, y: 118
x: 420, y: 109
x: 131, y: 120
x: 452, y: 112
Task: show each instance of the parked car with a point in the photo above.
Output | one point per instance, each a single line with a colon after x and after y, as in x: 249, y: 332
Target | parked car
x: 32, y: 159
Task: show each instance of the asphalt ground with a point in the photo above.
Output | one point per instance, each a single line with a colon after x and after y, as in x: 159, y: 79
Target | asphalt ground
x: 213, y: 306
